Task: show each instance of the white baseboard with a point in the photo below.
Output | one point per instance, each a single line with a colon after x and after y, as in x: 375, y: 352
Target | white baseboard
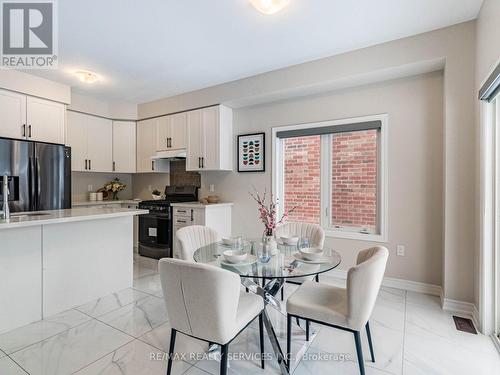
x: 458, y: 307
x: 391, y: 282
x: 475, y: 317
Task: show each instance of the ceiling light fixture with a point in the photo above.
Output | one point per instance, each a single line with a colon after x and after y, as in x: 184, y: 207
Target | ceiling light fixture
x: 269, y: 6
x: 86, y: 76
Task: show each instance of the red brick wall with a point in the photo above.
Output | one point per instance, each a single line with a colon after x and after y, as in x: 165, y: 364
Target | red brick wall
x: 302, y: 178
x: 354, y: 178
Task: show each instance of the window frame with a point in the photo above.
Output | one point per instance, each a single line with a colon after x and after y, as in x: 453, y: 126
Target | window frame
x: 326, y: 185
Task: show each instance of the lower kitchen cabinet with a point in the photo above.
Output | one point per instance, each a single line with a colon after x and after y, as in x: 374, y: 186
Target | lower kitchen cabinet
x: 216, y: 216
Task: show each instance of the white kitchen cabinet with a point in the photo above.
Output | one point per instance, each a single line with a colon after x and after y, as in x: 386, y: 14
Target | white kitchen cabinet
x: 210, y: 139
x: 12, y: 114
x: 30, y: 118
x: 171, y: 132
x: 215, y: 216
x: 45, y: 120
x: 146, y: 148
x: 91, y: 142
x: 76, y: 138
x: 124, y: 147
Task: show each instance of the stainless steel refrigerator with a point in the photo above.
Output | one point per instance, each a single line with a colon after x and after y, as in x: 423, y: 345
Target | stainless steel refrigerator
x: 39, y: 175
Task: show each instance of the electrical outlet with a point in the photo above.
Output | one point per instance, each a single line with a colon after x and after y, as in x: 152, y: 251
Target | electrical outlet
x: 400, y: 250
x: 90, y: 188
x: 212, y: 188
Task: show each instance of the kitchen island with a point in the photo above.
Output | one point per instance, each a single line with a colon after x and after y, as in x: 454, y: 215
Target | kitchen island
x: 51, y: 261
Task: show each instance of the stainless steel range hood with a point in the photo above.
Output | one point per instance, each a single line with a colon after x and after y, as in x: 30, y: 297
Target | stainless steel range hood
x: 171, y: 155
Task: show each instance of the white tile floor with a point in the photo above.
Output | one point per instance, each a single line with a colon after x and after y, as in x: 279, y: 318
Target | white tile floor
x: 128, y: 332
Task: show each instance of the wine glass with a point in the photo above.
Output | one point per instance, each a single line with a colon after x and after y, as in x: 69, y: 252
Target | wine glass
x: 303, y: 243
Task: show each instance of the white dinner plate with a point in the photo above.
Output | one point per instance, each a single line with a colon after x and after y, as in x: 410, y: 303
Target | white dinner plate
x: 322, y: 260
x: 251, y: 259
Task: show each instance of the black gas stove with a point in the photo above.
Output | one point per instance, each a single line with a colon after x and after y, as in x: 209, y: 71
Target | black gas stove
x: 155, y: 228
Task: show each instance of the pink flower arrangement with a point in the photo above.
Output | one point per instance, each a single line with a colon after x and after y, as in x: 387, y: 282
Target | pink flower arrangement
x: 267, y: 213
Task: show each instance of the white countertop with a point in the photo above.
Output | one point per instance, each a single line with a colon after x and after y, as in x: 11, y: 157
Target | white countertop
x: 201, y: 205
x: 99, y: 203
x: 68, y: 215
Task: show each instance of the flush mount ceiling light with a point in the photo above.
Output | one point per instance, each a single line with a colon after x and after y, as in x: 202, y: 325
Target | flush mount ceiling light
x: 269, y: 6
x: 86, y: 76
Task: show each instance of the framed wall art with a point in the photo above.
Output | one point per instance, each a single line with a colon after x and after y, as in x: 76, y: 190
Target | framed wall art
x: 251, y: 152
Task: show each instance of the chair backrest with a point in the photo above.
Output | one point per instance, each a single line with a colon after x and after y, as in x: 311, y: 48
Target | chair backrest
x: 202, y: 300
x: 363, y: 285
x: 314, y: 232
x: 193, y: 237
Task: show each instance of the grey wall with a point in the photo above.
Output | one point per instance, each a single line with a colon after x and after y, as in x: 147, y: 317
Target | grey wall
x: 415, y: 108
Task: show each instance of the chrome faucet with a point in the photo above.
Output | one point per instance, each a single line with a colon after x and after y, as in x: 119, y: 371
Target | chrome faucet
x: 5, y: 193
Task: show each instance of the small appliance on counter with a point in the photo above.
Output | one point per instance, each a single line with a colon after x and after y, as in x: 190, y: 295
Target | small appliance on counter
x: 39, y: 175
x: 156, y: 228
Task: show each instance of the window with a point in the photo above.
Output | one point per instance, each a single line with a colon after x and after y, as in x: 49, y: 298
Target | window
x: 333, y: 173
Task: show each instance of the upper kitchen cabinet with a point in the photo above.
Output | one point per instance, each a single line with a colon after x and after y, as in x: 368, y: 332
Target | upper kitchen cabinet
x: 171, y: 132
x: 210, y: 139
x: 12, y: 114
x: 45, y: 120
x: 91, y: 140
x: 146, y: 148
x: 26, y: 117
x: 124, y: 147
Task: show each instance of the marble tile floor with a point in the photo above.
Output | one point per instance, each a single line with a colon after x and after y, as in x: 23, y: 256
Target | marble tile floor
x: 128, y: 332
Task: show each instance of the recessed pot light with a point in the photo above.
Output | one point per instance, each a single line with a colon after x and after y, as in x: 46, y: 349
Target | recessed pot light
x: 86, y: 76
x: 269, y: 6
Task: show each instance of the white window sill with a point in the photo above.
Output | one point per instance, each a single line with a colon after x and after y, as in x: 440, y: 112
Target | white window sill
x: 355, y: 236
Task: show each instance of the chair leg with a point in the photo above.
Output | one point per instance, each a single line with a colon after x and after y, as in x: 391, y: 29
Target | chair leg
x: 173, y: 334
x: 283, y: 292
x: 368, y: 333
x: 261, y: 338
x: 317, y: 277
x: 359, y: 351
x: 288, y: 340
x: 224, y: 349
x: 307, y: 329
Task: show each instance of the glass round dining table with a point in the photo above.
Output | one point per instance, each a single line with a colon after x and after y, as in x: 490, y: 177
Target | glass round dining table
x: 266, y: 278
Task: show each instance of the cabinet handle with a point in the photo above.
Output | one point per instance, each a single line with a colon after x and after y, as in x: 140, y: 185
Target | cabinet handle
x: 152, y: 165
x: 90, y: 165
x: 181, y: 221
x: 85, y: 164
x: 199, y: 162
x: 114, y: 166
x: 24, y: 130
x: 202, y: 162
x: 29, y: 131
x: 192, y: 215
x: 182, y: 211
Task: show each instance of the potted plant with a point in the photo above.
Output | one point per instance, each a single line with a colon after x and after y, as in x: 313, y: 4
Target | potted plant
x: 157, y: 194
x: 113, y: 188
x: 267, y: 214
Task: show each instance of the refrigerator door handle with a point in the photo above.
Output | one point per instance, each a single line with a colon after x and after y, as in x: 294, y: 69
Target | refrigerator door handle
x: 37, y: 180
x: 31, y: 185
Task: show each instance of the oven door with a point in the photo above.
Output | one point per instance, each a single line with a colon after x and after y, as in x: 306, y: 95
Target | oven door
x: 154, y: 230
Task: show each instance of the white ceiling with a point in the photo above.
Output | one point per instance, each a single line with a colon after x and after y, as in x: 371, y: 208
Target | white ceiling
x: 145, y: 50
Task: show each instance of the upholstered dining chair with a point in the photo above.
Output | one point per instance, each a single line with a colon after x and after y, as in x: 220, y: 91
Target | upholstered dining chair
x: 192, y: 237
x: 346, y: 309
x: 313, y: 232
x: 205, y: 302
